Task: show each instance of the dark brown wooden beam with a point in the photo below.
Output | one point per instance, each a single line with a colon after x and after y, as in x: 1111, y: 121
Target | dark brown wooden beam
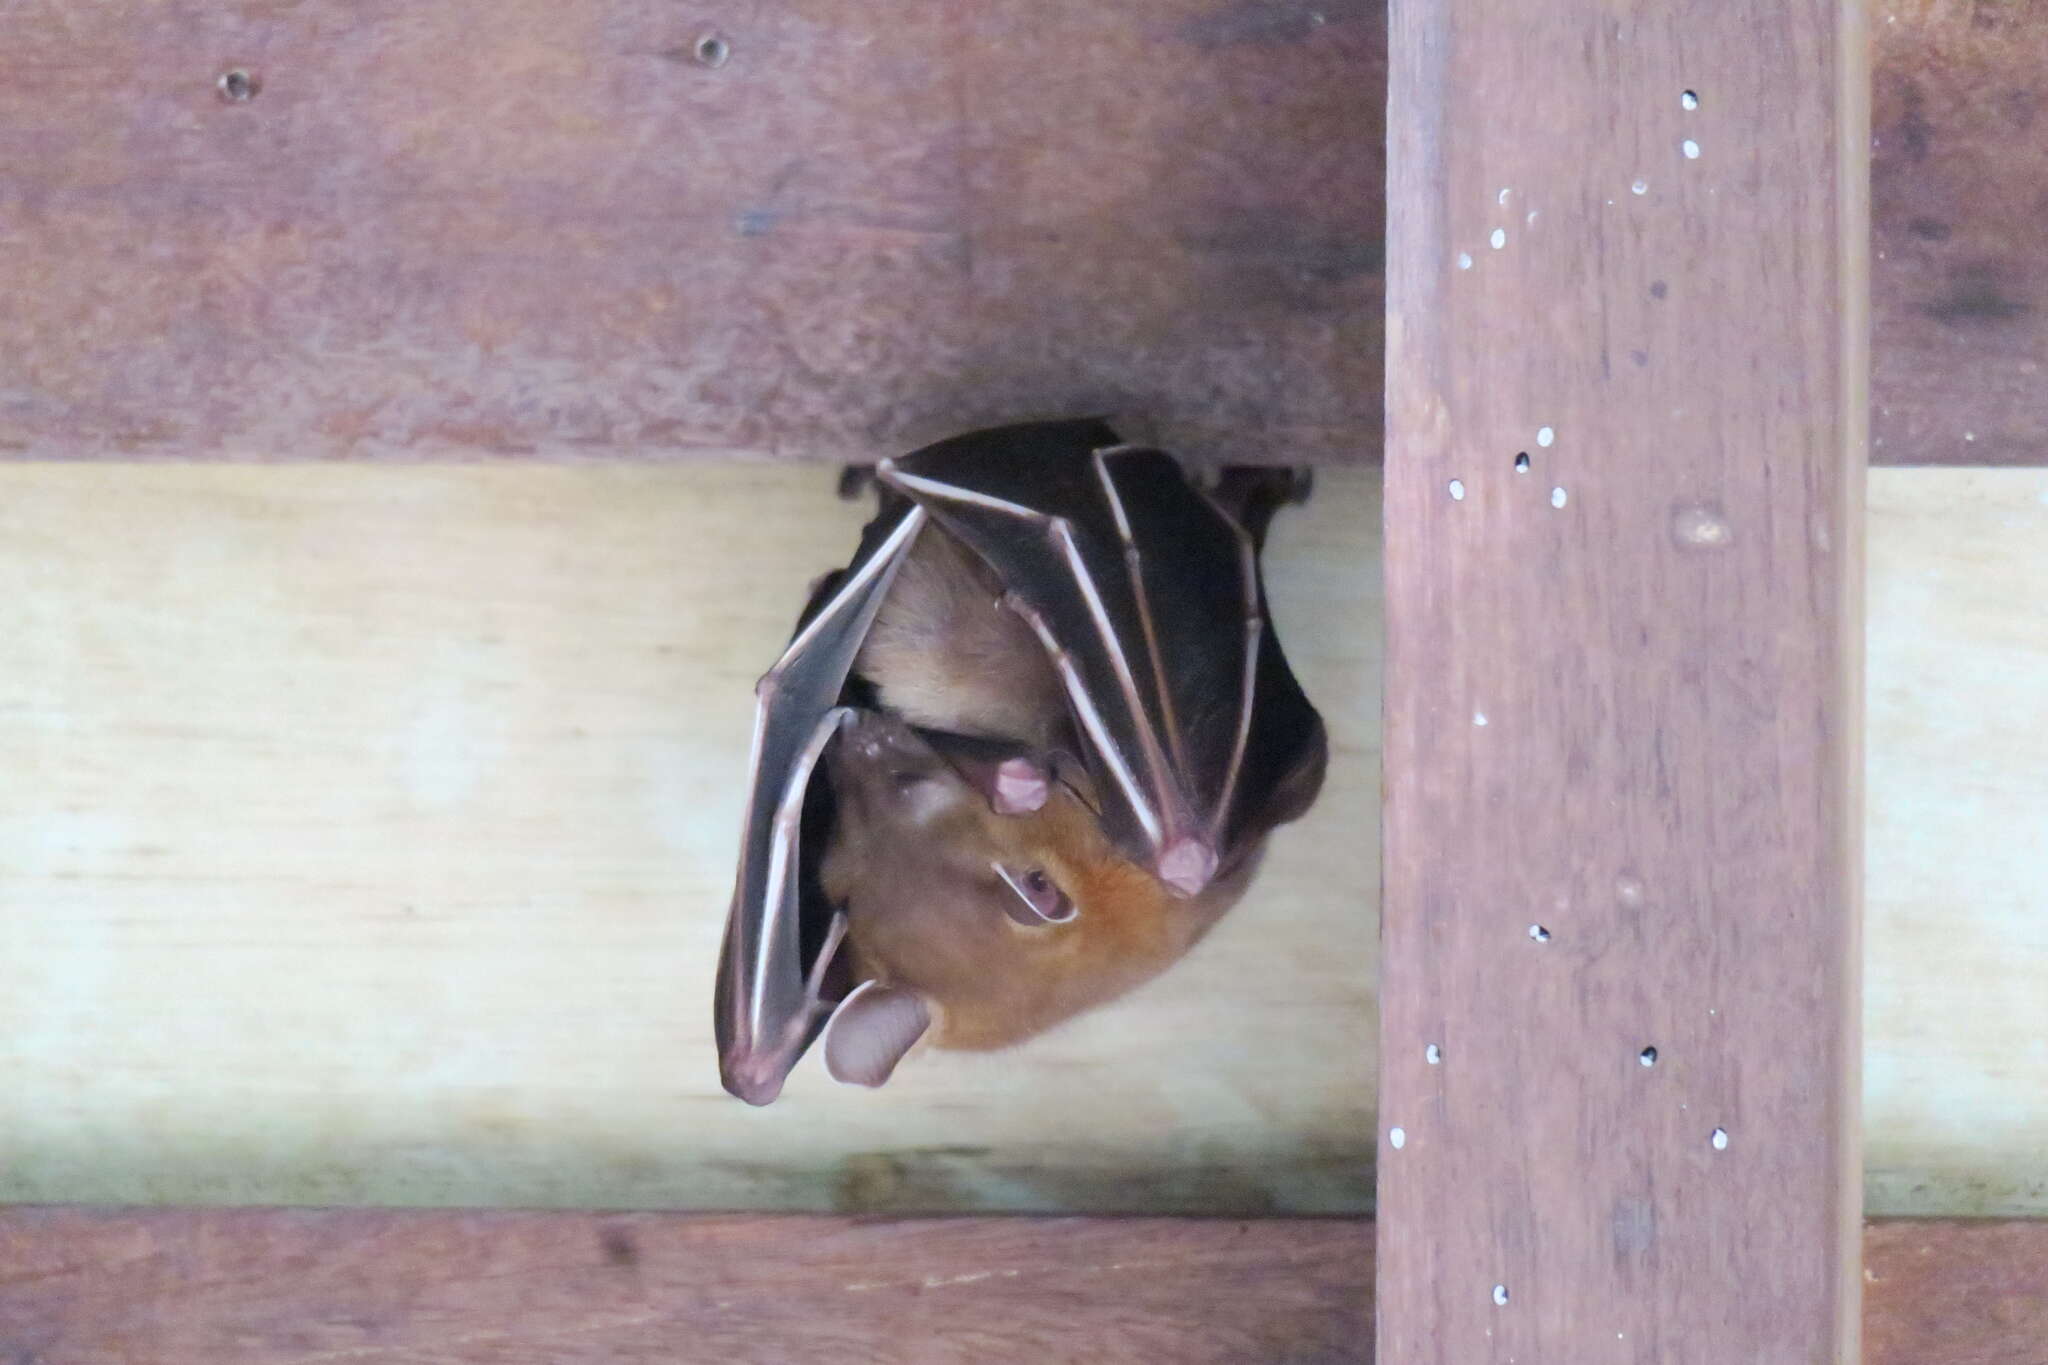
x: 293, y: 1287
x: 1627, y: 382
x: 1960, y: 193
x: 517, y: 228
x: 828, y: 228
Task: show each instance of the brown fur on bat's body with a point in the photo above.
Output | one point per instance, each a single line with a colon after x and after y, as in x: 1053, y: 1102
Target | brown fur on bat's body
x: 987, y: 849
x: 915, y: 842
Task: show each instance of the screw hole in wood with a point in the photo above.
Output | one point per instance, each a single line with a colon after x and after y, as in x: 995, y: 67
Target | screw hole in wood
x: 237, y: 86
x: 711, y: 50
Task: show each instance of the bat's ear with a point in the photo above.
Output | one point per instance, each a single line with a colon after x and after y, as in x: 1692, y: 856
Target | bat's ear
x: 871, y: 1030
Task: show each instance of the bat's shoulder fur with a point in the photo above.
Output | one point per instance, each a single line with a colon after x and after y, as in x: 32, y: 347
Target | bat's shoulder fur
x: 944, y: 654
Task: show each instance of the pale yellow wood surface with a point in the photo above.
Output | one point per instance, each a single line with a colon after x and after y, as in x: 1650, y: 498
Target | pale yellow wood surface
x: 1956, y: 971
x: 365, y: 836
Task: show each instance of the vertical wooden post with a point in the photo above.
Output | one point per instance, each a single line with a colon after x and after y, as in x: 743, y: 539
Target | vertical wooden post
x: 1626, y: 427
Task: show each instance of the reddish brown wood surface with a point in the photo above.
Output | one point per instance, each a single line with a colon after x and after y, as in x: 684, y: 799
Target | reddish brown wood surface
x: 513, y: 227
x: 1621, y: 819
x: 525, y: 227
x: 1955, y: 1293
x: 1959, y: 202
x: 283, y: 1287
x: 292, y: 1288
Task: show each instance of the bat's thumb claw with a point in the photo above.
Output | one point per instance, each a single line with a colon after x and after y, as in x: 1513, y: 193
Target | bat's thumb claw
x: 1187, y: 864
x: 1021, y: 787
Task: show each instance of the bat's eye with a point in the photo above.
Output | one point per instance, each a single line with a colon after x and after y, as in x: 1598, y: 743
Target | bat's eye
x: 1043, y: 901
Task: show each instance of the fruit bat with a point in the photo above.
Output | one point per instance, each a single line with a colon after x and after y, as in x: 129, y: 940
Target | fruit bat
x: 1022, y: 752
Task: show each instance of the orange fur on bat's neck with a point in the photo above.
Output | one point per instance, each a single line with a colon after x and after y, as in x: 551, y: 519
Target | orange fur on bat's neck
x: 915, y: 847
x: 914, y: 868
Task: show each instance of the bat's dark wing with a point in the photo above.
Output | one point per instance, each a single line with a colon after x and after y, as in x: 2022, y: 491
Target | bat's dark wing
x: 779, y: 943
x: 1148, y: 599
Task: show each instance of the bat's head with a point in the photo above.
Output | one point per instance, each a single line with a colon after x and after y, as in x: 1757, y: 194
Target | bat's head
x: 984, y: 902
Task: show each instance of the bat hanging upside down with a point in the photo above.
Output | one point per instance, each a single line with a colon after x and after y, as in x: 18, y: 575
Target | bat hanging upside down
x: 1054, y: 728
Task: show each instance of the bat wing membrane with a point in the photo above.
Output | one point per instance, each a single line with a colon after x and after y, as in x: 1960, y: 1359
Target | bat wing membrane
x: 1146, y: 596
x: 768, y: 1005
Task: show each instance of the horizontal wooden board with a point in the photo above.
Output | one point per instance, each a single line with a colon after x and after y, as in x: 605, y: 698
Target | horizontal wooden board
x: 514, y: 228
x: 1959, y: 186
x: 383, y: 823
x: 314, y: 1286
x: 368, y: 832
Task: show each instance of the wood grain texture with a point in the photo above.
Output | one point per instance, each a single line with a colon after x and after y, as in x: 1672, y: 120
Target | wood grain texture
x: 1621, y: 834
x: 371, y: 831
x: 513, y: 227
x: 300, y: 1287
x: 1955, y: 1010
x: 372, y: 828
x: 1954, y: 1293
x: 1959, y: 190
x: 503, y: 229
x: 296, y: 1288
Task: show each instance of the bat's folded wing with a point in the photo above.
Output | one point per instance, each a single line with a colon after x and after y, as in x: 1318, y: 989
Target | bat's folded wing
x: 1147, y: 598
x: 769, y: 1004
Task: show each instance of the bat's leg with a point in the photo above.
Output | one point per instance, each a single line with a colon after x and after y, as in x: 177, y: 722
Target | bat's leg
x: 1252, y: 494
x: 814, y: 986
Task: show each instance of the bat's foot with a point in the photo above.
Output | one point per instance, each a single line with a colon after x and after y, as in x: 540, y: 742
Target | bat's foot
x: 1251, y: 494
x: 854, y: 480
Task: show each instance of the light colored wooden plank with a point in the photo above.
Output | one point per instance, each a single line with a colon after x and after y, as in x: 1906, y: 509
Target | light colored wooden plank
x: 369, y: 834
x: 1956, y: 1009
x: 217, y: 679
x: 1623, y: 724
